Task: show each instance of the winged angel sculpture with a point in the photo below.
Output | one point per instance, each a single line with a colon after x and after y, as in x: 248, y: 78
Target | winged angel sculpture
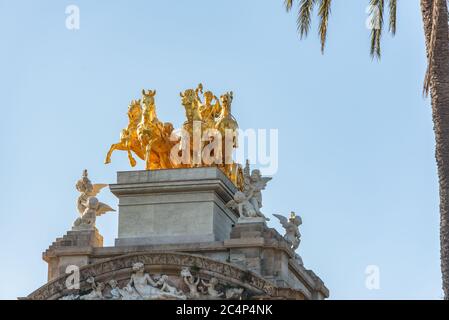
x: 291, y: 226
x: 249, y: 201
x: 88, y: 205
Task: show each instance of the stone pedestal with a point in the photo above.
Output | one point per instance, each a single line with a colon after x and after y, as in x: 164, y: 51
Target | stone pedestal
x: 173, y: 206
x: 73, y: 249
x: 247, y: 245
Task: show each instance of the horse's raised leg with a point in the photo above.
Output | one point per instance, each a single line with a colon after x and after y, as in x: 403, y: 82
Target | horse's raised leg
x: 114, y: 147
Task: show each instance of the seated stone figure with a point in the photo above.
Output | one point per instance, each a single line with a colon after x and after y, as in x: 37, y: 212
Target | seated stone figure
x: 142, y: 287
x: 142, y: 284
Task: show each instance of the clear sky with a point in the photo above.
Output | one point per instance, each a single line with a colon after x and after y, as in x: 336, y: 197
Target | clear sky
x: 356, y: 146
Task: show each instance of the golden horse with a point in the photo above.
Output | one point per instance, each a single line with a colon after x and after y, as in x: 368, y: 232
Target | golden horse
x: 191, y: 104
x: 128, y: 137
x: 154, y: 136
x: 146, y: 136
x: 227, y: 125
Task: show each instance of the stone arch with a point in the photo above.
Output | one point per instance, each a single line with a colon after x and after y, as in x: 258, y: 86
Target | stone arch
x: 169, y: 263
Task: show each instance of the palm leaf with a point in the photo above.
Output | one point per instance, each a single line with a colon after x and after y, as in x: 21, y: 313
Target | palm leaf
x: 324, y: 12
x: 377, y: 9
x: 393, y: 10
x: 288, y: 5
x: 305, y: 17
x: 377, y: 21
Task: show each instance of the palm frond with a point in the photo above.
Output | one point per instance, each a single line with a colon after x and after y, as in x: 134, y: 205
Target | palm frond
x: 304, y: 17
x: 288, y: 5
x: 377, y: 21
x: 377, y: 10
x: 324, y: 12
x: 393, y: 10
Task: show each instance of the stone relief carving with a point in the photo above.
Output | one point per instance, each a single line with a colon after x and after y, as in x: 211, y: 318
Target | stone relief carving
x: 97, y: 290
x: 116, y: 292
x: 211, y: 288
x: 234, y: 293
x: 88, y: 205
x: 249, y: 201
x: 167, y: 287
x: 142, y: 286
x: 254, y: 285
x: 70, y: 297
x: 191, y: 283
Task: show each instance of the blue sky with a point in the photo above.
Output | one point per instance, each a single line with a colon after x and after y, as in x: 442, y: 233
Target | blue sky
x: 356, y: 147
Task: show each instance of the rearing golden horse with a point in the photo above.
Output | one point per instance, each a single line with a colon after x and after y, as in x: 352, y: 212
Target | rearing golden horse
x: 146, y: 136
x: 154, y: 135
x: 128, y: 137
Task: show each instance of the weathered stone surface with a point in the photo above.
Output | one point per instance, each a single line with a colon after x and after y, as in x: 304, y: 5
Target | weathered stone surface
x: 73, y: 249
x: 173, y: 206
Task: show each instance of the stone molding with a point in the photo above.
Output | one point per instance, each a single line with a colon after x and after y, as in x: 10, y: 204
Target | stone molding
x: 141, y: 182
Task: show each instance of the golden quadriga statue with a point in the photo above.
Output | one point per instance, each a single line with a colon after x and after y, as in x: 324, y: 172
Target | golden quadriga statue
x: 209, y: 119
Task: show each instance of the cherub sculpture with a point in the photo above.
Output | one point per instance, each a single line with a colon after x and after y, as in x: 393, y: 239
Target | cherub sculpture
x: 191, y: 282
x: 168, y: 288
x: 116, y: 292
x: 97, y: 290
x: 242, y: 205
x: 211, y: 288
x: 87, y: 189
x: 88, y: 205
x: 254, y: 184
x: 249, y: 201
x: 291, y: 226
